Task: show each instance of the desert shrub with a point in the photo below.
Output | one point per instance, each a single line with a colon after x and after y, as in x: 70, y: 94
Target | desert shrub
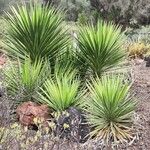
x: 3, y: 5
x: 82, y: 19
x: 3, y: 29
x: 137, y: 43
x: 128, y: 13
x: 36, y: 32
x: 74, y: 8
x: 137, y: 50
x: 139, y: 35
x: 61, y: 92
x: 100, y: 46
x: 110, y: 109
x: 24, y: 79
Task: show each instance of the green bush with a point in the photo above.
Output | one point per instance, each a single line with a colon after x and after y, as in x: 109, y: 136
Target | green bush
x: 61, y: 92
x: 100, y: 46
x: 36, y: 32
x: 110, y: 108
x: 24, y: 79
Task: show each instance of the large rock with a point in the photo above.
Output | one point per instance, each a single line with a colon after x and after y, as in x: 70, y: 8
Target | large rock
x: 27, y: 111
x: 72, y: 125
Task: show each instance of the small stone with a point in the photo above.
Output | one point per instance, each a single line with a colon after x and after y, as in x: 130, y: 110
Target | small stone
x: 2, y: 60
x: 148, y: 84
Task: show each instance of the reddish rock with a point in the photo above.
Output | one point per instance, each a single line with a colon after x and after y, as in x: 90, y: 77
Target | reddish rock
x: 2, y: 60
x: 30, y: 110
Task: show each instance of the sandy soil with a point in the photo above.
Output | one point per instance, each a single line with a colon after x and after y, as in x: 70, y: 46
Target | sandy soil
x: 141, y: 88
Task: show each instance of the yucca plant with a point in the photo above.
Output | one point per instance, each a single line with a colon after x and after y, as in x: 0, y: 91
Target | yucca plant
x: 110, y: 109
x: 37, y: 32
x: 61, y: 92
x: 24, y: 79
x: 100, y: 46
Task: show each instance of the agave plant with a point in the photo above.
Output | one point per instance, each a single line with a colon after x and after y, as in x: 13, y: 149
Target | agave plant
x: 110, y: 109
x: 100, y: 46
x: 24, y: 79
x: 61, y: 92
x: 37, y: 32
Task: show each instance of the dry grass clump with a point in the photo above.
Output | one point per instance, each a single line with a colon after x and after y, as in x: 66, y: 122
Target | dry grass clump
x: 137, y: 49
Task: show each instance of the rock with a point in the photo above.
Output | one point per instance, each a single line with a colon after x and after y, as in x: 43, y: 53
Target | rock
x: 147, y: 59
x: 148, y: 84
x: 1, y: 93
x: 71, y: 125
x: 27, y: 111
x: 148, y: 63
x: 2, y: 60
